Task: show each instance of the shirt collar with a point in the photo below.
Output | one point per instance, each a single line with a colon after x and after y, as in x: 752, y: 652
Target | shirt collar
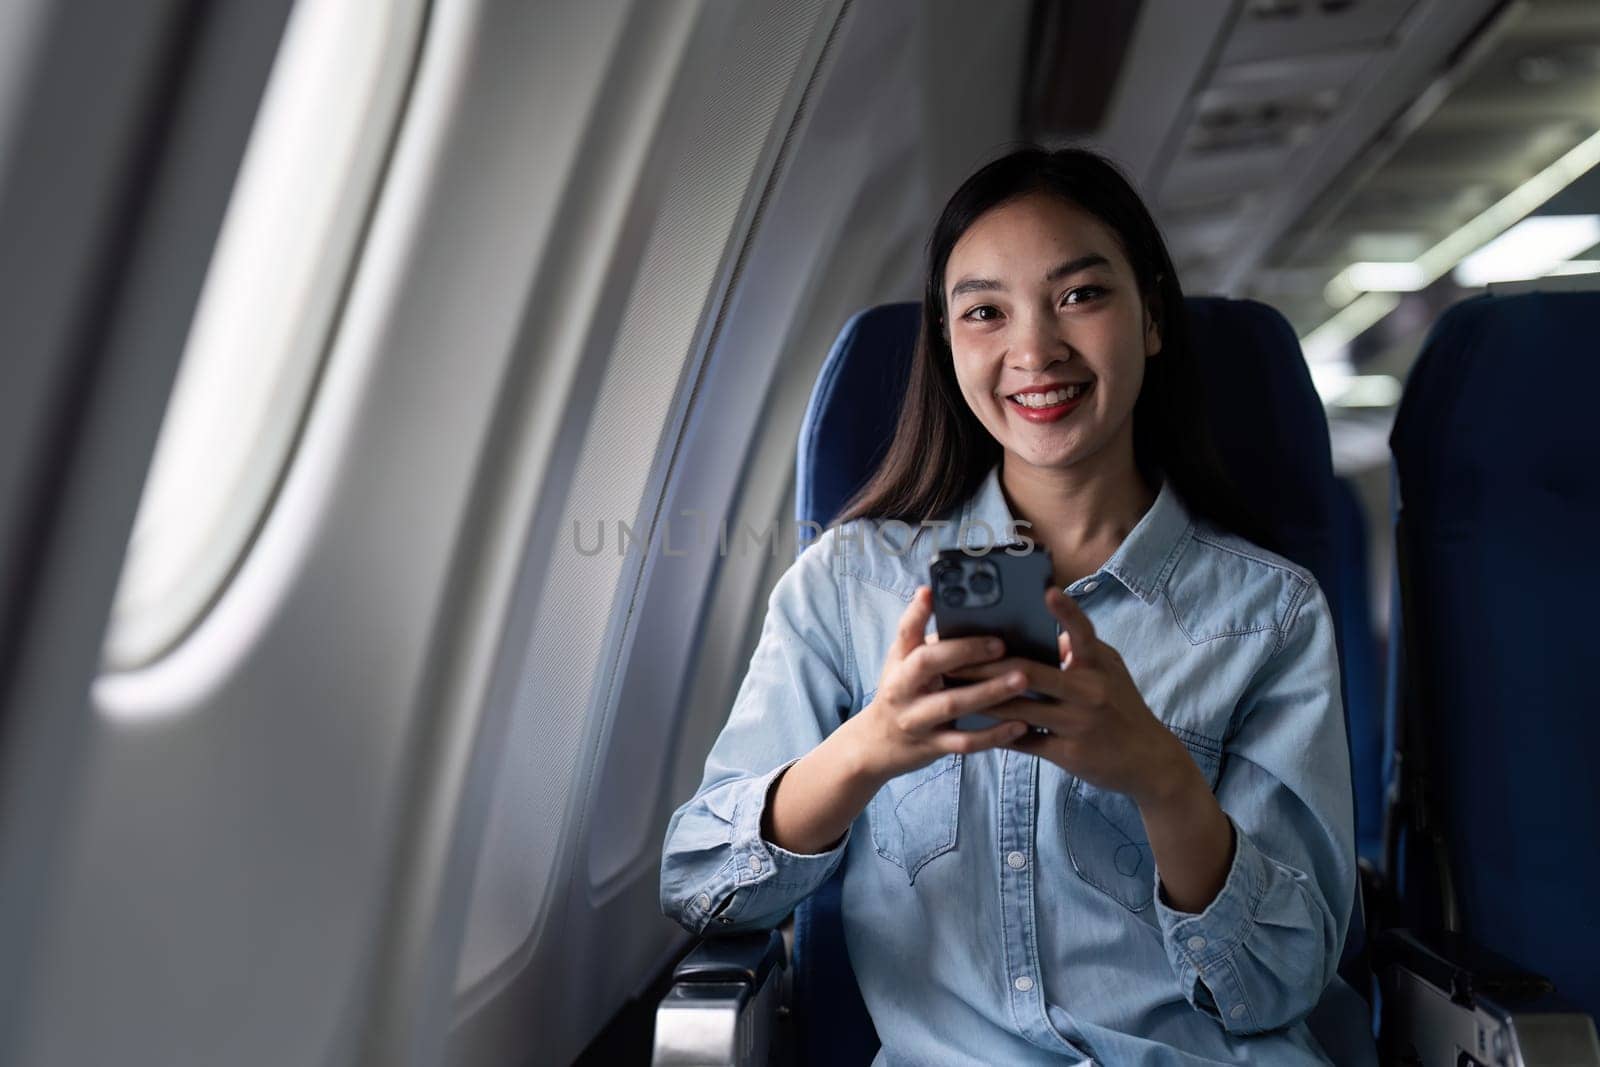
x: 1143, y: 562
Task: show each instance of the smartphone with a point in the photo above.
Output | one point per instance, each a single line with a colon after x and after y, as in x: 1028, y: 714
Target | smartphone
x: 996, y: 593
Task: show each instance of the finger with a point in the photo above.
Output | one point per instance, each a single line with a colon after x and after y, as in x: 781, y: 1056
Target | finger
x: 1080, y: 631
x: 913, y: 623
x: 1058, y: 719
x: 947, y: 657
x: 968, y: 741
x: 1084, y: 687
x: 936, y: 709
x: 1044, y: 745
x: 1042, y: 677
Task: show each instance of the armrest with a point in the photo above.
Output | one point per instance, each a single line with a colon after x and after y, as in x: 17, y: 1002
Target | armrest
x: 747, y: 958
x: 723, y: 1005
x: 1445, y: 998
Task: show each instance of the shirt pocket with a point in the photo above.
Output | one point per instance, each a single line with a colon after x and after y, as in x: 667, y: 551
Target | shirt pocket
x: 914, y: 817
x: 1105, y: 835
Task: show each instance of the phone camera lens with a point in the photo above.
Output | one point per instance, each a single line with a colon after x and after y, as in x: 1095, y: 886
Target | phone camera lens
x: 954, y: 596
x: 949, y: 576
x: 982, y: 583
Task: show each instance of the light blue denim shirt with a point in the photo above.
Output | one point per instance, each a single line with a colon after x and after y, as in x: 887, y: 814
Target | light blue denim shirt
x: 996, y: 908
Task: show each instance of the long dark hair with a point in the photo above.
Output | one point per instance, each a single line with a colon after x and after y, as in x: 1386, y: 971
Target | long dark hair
x: 940, y: 452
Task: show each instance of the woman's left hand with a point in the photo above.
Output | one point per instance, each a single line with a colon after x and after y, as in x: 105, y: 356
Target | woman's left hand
x: 1101, y: 730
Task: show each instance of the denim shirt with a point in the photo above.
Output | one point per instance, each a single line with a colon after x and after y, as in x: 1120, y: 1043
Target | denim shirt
x: 998, y: 909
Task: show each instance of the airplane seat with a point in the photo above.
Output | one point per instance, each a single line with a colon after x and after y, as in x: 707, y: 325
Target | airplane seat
x: 843, y: 437
x: 1272, y: 437
x: 1359, y: 659
x: 1498, y: 514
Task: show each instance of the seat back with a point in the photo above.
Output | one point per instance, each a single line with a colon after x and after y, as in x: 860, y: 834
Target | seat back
x: 843, y: 438
x: 1272, y: 438
x: 1271, y: 435
x: 844, y: 435
x: 1359, y: 660
x: 1495, y: 449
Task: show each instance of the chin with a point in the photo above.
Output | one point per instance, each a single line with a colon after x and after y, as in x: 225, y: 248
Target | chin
x: 1047, y: 458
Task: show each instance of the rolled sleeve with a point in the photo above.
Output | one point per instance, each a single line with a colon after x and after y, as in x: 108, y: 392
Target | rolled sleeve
x: 758, y: 883
x: 1260, y: 955
x: 1203, y: 947
x: 717, y: 871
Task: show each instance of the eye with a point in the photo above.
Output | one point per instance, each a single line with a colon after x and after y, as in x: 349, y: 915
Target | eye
x: 1084, y: 294
x: 982, y: 313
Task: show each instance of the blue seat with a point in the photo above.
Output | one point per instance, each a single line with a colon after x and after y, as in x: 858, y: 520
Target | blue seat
x: 1363, y: 689
x: 1272, y: 438
x: 841, y: 443
x: 1496, y: 446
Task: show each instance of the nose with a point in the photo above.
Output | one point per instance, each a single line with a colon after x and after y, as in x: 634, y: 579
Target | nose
x: 1037, y: 343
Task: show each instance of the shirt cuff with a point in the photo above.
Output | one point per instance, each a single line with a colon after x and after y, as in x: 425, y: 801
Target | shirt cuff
x: 758, y: 872
x: 1201, y: 946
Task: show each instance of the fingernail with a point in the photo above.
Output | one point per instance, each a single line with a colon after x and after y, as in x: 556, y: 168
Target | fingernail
x: 995, y: 646
x: 1018, y: 680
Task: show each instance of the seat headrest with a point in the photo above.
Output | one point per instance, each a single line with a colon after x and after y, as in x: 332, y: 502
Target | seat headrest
x: 1497, y: 420
x: 854, y: 405
x: 1265, y: 415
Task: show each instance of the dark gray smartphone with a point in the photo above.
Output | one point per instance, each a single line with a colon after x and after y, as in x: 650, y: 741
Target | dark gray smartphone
x: 996, y: 593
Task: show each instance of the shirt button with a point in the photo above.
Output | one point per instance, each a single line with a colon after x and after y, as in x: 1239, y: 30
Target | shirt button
x: 704, y: 901
x: 755, y: 863
x: 1090, y: 586
x: 1196, y: 944
x: 1016, y: 861
x: 1023, y: 983
x: 1237, y: 1011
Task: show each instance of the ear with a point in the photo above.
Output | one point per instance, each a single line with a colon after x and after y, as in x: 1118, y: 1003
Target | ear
x: 1152, y: 327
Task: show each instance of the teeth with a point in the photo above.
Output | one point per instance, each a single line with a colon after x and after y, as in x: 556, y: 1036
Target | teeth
x: 1050, y: 399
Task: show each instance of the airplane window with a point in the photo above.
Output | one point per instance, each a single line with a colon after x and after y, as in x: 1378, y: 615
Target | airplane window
x: 271, y: 293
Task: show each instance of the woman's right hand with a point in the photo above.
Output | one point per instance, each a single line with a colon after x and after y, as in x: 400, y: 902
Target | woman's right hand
x: 906, y: 725
x: 814, y: 800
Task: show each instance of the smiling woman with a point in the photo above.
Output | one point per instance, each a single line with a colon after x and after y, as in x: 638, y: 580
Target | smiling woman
x: 1047, y: 320
x: 1034, y: 241
x: 1189, y: 768
x: 1038, y: 401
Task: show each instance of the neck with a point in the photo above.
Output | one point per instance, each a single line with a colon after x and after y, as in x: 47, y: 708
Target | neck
x: 1080, y: 513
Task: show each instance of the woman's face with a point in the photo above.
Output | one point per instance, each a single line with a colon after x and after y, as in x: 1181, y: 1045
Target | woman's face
x: 1049, y: 330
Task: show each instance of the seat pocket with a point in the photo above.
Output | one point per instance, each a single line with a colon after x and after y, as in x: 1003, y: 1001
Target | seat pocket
x: 914, y: 817
x: 1105, y: 835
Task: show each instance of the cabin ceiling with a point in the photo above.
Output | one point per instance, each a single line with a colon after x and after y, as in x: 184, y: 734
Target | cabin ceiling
x: 1282, y: 140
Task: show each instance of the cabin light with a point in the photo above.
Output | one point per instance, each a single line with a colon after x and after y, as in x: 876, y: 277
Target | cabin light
x: 1385, y: 277
x: 1530, y: 249
x: 1328, y: 378
x: 1369, y: 391
x: 1340, y: 386
x: 1327, y: 343
x: 1574, y: 266
x: 1478, y: 231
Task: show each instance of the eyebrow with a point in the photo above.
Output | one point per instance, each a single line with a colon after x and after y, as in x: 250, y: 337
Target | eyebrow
x: 1056, y: 273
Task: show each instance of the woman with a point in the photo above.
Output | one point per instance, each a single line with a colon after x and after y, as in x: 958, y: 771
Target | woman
x: 1162, y: 872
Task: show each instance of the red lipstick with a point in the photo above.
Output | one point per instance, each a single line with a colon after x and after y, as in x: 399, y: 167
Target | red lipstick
x: 1052, y: 413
